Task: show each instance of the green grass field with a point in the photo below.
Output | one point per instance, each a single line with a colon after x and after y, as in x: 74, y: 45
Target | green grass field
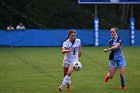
x: 38, y: 70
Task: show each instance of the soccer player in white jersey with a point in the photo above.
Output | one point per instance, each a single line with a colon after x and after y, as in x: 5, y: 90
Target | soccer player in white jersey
x: 72, y: 50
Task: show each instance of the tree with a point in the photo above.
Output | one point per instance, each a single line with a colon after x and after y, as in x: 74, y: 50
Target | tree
x: 55, y: 14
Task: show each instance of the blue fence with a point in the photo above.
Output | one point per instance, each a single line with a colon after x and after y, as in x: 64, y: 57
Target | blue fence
x: 49, y: 37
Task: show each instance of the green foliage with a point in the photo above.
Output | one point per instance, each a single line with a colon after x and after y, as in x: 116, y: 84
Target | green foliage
x: 64, y: 14
x: 38, y: 70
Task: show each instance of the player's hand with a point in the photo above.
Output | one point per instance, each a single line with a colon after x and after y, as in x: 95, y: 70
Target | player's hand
x: 79, y: 55
x: 106, y: 50
x: 71, y: 49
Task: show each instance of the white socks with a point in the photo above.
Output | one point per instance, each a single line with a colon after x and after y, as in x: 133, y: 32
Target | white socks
x: 66, y: 80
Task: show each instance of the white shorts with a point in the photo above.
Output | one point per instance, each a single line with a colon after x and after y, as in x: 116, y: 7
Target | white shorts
x: 67, y: 62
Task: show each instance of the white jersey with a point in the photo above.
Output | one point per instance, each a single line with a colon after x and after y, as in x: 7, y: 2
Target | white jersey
x: 73, y: 55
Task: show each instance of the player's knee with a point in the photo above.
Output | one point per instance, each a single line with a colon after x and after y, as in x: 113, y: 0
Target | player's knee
x: 111, y: 75
x: 121, y: 75
x: 68, y: 74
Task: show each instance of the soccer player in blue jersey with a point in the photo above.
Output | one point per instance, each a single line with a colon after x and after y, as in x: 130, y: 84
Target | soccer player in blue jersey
x: 116, y: 57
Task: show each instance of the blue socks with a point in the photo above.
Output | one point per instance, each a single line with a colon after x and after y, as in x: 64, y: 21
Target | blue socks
x: 122, y: 81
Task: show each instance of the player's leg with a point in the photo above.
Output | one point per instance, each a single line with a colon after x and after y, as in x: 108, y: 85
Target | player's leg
x: 69, y: 74
x: 122, y: 77
x: 112, y: 70
x: 110, y: 74
x: 65, y: 66
x: 66, y: 79
x: 65, y: 73
x: 122, y: 64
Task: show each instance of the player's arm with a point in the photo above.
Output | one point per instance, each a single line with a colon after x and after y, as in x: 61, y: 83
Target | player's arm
x: 64, y: 50
x: 112, y: 48
x: 79, y: 51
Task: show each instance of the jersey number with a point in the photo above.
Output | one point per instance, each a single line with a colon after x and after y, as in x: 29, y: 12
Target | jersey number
x: 74, y: 51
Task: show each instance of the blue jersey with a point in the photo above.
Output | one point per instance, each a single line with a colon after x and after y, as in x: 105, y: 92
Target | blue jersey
x: 116, y: 56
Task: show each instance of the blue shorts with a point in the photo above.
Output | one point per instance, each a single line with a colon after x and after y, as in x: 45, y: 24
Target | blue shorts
x: 117, y: 63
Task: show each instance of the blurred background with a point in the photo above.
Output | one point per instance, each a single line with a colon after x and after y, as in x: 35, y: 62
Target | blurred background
x: 38, y: 22
x: 54, y: 14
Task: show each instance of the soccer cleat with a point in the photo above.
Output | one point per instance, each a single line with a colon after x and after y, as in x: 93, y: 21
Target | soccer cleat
x: 69, y: 85
x: 123, y: 88
x: 106, y: 78
x: 60, y: 89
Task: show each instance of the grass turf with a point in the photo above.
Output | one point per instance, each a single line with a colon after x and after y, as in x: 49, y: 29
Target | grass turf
x: 38, y: 70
